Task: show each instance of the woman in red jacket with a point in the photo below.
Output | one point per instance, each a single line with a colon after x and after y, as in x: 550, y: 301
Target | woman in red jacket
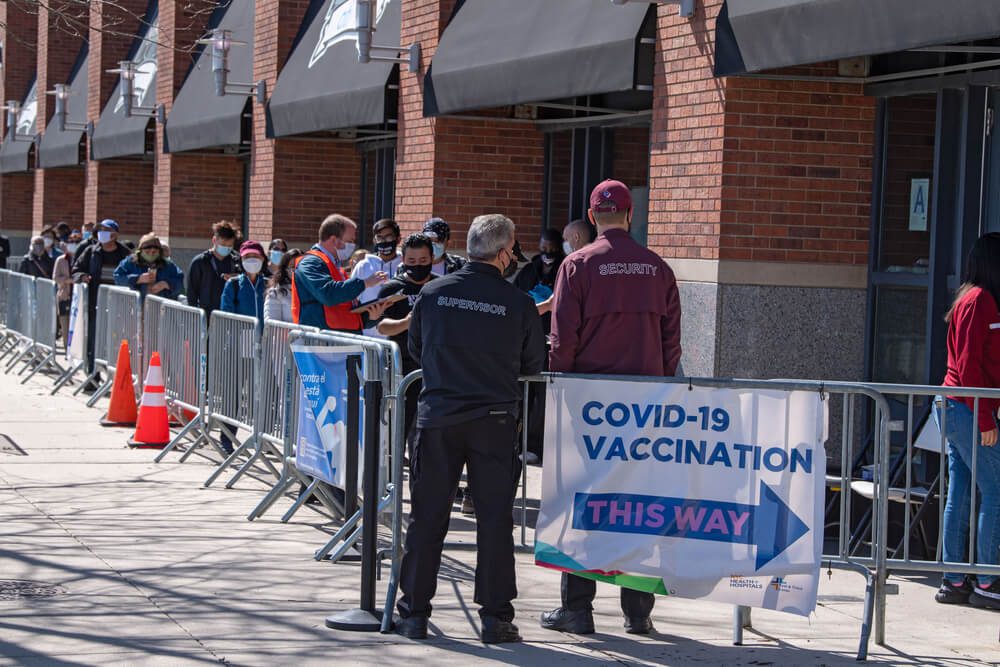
x: 973, y: 361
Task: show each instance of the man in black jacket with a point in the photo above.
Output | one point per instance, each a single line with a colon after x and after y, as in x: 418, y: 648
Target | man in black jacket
x: 95, y: 265
x: 4, y: 251
x: 473, y: 333
x: 210, y: 270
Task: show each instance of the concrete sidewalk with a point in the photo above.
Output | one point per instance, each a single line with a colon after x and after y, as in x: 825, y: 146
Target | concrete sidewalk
x: 107, y: 558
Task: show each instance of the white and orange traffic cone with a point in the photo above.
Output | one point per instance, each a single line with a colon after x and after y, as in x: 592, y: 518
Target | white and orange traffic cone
x: 152, y: 430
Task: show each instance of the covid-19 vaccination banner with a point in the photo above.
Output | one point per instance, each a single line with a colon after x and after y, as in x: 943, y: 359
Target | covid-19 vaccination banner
x: 76, y: 336
x: 700, y: 493
x: 320, y: 448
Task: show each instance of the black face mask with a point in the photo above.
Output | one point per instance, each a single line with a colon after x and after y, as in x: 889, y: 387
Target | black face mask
x: 511, y: 268
x: 385, y: 247
x: 418, y: 272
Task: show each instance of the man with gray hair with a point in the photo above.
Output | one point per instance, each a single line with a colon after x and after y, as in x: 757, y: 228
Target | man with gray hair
x: 473, y: 334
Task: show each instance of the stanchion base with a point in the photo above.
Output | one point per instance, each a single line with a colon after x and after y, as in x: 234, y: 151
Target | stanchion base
x: 356, y: 620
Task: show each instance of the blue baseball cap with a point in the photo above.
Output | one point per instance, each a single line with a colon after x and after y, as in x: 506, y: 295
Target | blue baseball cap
x: 109, y: 223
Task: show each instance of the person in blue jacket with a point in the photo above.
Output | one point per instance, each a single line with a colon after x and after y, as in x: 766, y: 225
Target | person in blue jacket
x: 244, y: 294
x: 148, y: 272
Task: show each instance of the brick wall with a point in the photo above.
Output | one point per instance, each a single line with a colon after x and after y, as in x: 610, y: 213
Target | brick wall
x: 119, y: 190
x: 488, y: 166
x: 686, y: 153
x: 187, y: 189
x: 19, y: 44
x: 313, y: 179
x: 630, y: 160
x: 753, y: 169
x: 204, y: 189
x: 122, y: 192
x: 797, y: 171
x: 58, y: 193
x: 275, y: 25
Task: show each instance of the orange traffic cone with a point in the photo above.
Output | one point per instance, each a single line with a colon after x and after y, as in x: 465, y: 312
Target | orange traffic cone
x: 122, y: 410
x: 152, y: 431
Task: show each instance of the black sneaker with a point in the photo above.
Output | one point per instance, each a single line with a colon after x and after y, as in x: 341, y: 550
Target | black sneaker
x: 951, y: 593
x: 414, y: 627
x: 498, y: 631
x: 986, y: 598
x: 565, y: 620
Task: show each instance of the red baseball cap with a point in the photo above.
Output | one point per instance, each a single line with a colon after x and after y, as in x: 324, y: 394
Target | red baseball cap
x: 610, y: 197
x: 249, y: 247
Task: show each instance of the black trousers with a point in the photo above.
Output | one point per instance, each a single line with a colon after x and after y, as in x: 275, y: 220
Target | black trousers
x: 578, y: 594
x: 488, y: 447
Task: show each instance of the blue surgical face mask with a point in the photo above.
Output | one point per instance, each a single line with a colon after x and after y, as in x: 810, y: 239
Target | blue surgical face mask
x: 103, y: 237
x: 222, y: 250
x: 438, y: 251
x: 276, y: 256
x: 87, y: 235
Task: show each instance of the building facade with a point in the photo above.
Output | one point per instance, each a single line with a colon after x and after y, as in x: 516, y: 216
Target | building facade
x: 814, y: 196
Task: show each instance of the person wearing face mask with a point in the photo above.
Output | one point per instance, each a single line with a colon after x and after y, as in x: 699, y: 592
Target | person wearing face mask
x: 244, y: 294
x: 95, y: 265
x: 51, y: 242
x: 62, y: 275
x: 386, y: 259
x: 467, y: 415
x: 211, y: 269
x: 617, y: 312
x: 278, y: 297
x: 149, y: 272
x: 37, y: 262
x: 414, y: 273
x: 276, y: 249
x: 322, y: 293
x: 576, y: 235
x: 438, y: 231
x: 538, y: 277
x: 87, y: 234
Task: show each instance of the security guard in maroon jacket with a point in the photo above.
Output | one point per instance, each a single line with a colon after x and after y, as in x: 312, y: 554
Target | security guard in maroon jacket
x: 616, y: 311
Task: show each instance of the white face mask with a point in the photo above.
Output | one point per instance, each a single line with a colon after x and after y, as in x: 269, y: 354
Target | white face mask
x: 253, y: 265
x: 567, y: 248
x: 344, y: 254
x: 104, y: 237
x: 48, y: 242
x: 71, y: 248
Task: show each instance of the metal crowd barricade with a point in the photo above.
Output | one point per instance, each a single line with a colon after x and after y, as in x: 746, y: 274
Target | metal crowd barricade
x: 851, y: 423
x: 273, y: 441
x: 151, y: 308
x: 123, y: 321
x: 913, y: 465
x: 20, y: 318
x: 3, y: 307
x: 45, y: 328
x: 183, y: 343
x: 98, y: 336
x: 231, y: 401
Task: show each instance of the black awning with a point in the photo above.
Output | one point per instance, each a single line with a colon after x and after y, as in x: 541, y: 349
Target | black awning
x: 114, y: 134
x: 201, y: 119
x: 323, y: 86
x: 755, y: 35
x: 15, y: 155
x: 62, y: 149
x: 501, y: 52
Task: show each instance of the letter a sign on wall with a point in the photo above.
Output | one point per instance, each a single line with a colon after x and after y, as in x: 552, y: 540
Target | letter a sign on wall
x: 700, y: 493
